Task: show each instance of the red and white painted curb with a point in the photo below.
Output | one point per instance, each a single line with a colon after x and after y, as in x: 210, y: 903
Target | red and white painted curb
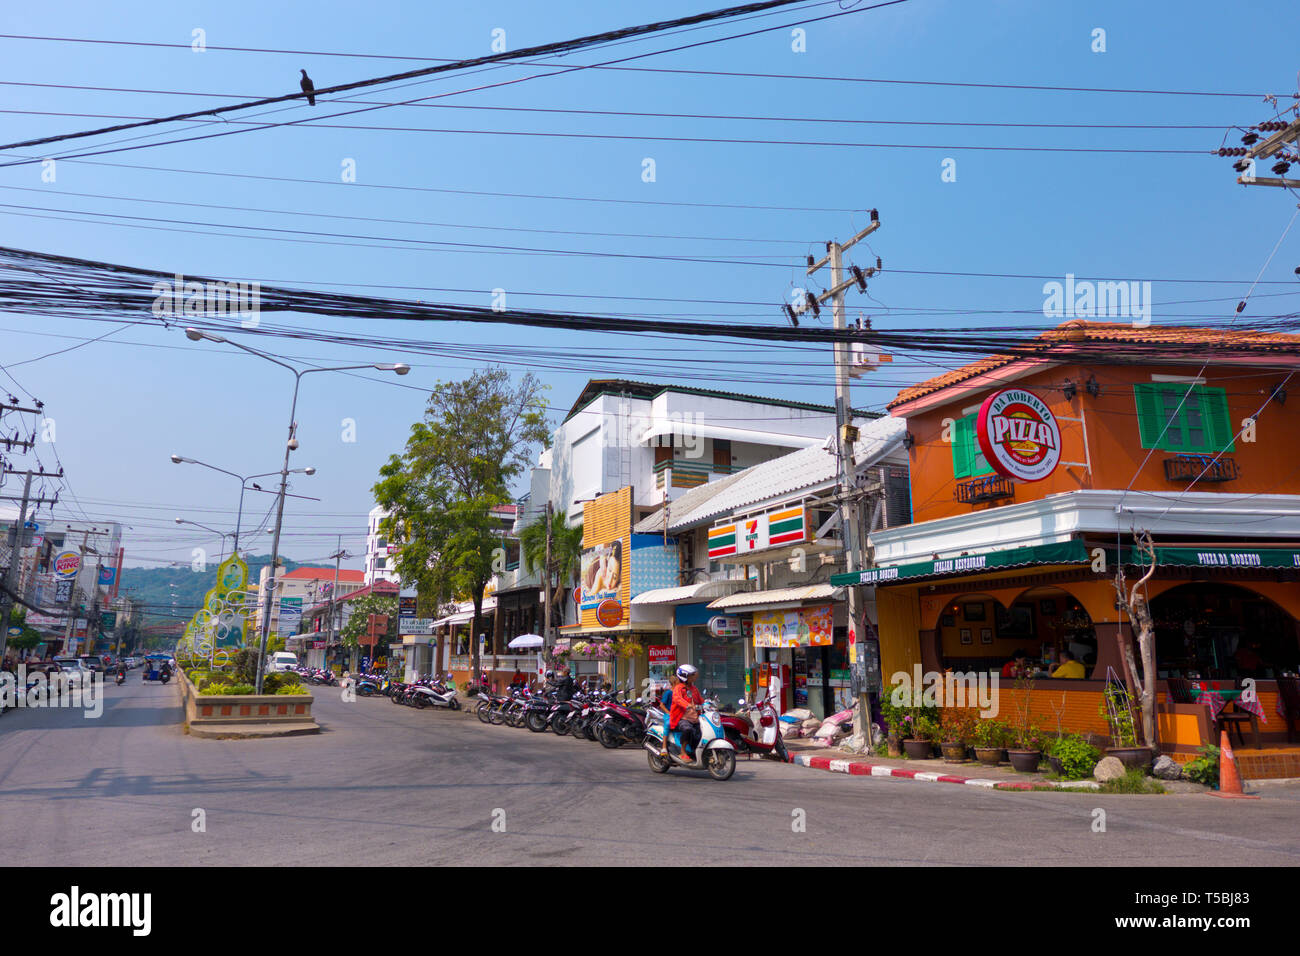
x: 865, y: 768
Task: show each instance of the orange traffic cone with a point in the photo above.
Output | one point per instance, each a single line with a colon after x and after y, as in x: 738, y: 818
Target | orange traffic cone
x: 1229, y: 779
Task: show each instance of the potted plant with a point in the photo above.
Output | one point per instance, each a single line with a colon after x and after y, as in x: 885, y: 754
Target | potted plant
x: 899, y: 723
x: 1025, y: 750
x: 927, y: 733
x: 1117, y: 708
x: 990, y: 738
x: 957, y: 729
x: 1072, y: 757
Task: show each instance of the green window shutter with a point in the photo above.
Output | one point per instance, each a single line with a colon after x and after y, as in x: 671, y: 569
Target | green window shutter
x: 979, y: 464
x: 1218, y: 422
x: 967, y: 459
x: 961, y: 462
x: 1147, y: 399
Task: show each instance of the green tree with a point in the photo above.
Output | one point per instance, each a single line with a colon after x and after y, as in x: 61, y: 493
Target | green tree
x: 29, y: 637
x: 476, y: 437
x: 359, y: 613
x: 566, y: 555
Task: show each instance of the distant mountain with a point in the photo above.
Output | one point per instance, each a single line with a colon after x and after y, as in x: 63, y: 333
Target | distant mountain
x: 176, y: 593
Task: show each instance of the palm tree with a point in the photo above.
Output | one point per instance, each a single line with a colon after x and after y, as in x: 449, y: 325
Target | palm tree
x: 566, y: 554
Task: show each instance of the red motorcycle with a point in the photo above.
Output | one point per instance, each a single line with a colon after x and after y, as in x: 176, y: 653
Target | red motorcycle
x: 763, y: 740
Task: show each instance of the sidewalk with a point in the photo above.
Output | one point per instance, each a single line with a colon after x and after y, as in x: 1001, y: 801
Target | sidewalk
x: 804, y: 753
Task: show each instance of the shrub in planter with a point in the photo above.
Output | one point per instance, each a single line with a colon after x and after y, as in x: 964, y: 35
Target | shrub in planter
x: 294, y: 688
x: 210, y: 689
x: 990, y: 738
x: 956, y: 733
x: 1076, y: 756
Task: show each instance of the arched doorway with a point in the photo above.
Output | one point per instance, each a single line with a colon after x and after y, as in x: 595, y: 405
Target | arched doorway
x: 1062, y: 624
x: 1222, y: 631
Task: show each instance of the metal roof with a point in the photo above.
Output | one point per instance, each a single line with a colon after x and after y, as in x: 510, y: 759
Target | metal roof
x: 745, y: 600
x: 703, y: 590
x: 803, y: 469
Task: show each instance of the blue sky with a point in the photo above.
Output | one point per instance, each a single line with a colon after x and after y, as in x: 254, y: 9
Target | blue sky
x: 122, y: 406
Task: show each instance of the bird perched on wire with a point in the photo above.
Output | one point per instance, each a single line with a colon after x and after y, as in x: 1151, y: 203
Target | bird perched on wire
x: 256, y: 486
x: 308, y: 87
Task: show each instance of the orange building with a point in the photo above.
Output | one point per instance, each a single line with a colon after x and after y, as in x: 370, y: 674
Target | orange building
x: 1182, y: 432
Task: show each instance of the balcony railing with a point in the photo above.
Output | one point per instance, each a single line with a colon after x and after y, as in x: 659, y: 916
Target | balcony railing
x: 687, y: 473
x: 991, y: 488
x: 1190, y: 468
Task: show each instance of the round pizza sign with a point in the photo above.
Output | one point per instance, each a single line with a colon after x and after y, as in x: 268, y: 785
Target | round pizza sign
x: 1018, y: 435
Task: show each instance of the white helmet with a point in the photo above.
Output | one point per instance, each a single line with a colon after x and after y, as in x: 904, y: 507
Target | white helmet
x: 685, y: 671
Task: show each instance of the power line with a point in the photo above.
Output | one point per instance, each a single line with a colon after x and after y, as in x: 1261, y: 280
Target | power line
x: 643, y: 69
x: 561, y: 47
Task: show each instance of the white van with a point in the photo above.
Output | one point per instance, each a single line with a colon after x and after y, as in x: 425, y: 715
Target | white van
x: 281, y: 661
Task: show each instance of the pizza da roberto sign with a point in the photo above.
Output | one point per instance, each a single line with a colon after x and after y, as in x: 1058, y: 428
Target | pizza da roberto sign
x: 1019, y: 435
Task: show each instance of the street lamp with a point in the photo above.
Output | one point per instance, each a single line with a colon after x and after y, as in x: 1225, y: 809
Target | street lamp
x: 195, y: 335
x: 243, y: 486
x: 224, y: 534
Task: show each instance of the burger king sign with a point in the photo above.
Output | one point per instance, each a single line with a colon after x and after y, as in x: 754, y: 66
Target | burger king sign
x: 67, y: 563
x: 1018, y: 435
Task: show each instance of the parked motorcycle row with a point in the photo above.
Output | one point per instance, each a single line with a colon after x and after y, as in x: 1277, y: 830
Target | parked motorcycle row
x: 614, y: 720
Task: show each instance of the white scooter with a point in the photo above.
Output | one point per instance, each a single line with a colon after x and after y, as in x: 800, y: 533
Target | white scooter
x: 434, y: 694
x: 713, y: 753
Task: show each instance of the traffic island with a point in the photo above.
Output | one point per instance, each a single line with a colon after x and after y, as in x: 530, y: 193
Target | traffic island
x: 236, y: 716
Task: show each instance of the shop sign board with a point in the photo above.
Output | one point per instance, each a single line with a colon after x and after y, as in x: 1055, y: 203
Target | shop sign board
x: 406, y: 607
x: 415, y: 625
x: 772, y: 529
x: 724, y: 625
x: 67, y: 563
x: 1019, y: 435
x: 609, y: 613
x: 605, y: 581
x: 661, y: 653
x: 798, y: 627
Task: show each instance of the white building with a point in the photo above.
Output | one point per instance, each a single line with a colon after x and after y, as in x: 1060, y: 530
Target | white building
x: 380, y: 556
x: 664, y: 440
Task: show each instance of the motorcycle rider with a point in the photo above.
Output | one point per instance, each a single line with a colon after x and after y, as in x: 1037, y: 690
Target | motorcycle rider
x: 685, y: 712
x: 564, y: 684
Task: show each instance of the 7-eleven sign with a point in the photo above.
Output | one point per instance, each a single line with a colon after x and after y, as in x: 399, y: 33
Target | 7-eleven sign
x: 753, y: 533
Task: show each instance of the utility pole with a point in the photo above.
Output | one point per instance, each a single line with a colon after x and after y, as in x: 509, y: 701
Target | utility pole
x: 846, y: 436
x: 16, y: 537
x: 1284, y: 135
x: 338, y: 556
x: 546, y: 582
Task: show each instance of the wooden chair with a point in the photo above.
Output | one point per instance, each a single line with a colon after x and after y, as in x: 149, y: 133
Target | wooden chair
x: 1184, y: 691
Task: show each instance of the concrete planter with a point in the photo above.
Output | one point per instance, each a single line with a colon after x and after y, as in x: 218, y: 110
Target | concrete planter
x: 246, y: 715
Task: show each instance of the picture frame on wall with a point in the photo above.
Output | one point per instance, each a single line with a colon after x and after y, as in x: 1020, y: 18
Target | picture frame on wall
x: 973, y: 611
x: 1016, y: 622
x: 965, y: 636
x: 986, y: 635
x: 948, y: 620
x: 1047, y: 606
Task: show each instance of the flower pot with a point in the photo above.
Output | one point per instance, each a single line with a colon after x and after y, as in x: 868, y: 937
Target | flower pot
x: 1139, y: 757
x: 1058, y: 768
x: 1024, y: 761
x: 990, y: 756
x: 919, y: 749
x: 954, y: 751
x: 895, y: 745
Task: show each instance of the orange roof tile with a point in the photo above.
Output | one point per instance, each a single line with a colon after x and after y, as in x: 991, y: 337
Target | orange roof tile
x: 1060, y: 345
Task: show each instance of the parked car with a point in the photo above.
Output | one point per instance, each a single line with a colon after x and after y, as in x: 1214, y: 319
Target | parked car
x: 92, y: 664
x: 72, y: 665
x: 131, y: 663
x: 282, y: 661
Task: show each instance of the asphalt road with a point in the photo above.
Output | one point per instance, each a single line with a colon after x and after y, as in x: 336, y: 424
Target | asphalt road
x: 384, y: 784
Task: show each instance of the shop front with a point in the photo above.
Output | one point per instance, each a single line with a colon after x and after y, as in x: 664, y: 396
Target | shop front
x: 1230, y: 617
x: 795, y: 639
